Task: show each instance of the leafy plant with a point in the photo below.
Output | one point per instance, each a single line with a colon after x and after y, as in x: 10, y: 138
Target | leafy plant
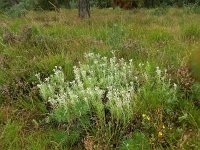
x: 138, y: 142
x: 104, y: 95
x: 156, y: 89
x: 99, y: 77
x: 192, y: 9
x: 21, y: 8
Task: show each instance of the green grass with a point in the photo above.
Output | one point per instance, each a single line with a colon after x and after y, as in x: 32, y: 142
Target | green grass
x: 165, y: 38
x: 191, y: 32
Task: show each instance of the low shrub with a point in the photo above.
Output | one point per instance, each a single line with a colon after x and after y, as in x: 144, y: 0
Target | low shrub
x: 105, y: 94
x: 99, y: 77
x: 192, y: 9
x: 21, y: 8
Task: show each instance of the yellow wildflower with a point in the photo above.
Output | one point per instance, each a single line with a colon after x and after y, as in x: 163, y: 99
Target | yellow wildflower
x: 160, y: 134
x: 148, y: 118
x: 144, y: 115
x: 163, y: 126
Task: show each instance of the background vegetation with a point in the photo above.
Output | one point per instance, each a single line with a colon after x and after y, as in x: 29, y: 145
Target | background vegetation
x: 44, y: 4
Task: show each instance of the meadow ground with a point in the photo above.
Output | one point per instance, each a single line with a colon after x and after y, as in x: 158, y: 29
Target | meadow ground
x: 40, y: 41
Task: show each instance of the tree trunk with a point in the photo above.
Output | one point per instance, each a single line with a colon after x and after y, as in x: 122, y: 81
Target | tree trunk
x: 84, y: 8
x: 67, y: 4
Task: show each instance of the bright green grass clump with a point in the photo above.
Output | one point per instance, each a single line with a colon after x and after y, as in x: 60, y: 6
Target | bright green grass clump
x: 155, y: 117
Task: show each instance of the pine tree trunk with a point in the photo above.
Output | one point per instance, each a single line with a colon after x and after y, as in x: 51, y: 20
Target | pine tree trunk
x: 84, y: 8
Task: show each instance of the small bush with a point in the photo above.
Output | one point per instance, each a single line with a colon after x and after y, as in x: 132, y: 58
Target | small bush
x: 192, y: 9
x: 104, y: 95
x: 6, y: 4
x: 99, y: 77
x: 21, y: 8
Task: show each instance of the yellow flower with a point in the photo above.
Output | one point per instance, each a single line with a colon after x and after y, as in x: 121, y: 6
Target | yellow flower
x: 160, y: 134
x: 144, y: 115
x: 163, y: 126
x: 148, y: 118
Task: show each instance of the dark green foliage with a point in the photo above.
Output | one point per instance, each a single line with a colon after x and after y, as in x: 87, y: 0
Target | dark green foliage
x: 6, y: 4
x: 20, y: 6
x: 160, y: 11
x: 103, y: 4
x: 192, y: 9
x: 17, y: 7
x: 51, y: 4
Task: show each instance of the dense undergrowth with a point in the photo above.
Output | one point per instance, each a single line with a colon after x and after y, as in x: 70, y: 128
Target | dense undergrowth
x: 100, y: 101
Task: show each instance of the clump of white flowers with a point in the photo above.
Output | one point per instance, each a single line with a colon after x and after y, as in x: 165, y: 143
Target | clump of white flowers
x: 101, y: 84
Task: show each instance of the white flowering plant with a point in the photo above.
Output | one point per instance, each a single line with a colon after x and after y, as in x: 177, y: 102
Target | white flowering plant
x: 107, y: 89
x: 99, y: 84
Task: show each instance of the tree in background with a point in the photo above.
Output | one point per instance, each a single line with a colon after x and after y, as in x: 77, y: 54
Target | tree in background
x: 22, y: 6
x: 66, y: 3
x: 84, y: 8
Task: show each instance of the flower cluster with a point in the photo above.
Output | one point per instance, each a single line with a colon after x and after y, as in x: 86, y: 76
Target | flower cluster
x: 146, y: 117
x: 99, y: 84
x: 104, y: 86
